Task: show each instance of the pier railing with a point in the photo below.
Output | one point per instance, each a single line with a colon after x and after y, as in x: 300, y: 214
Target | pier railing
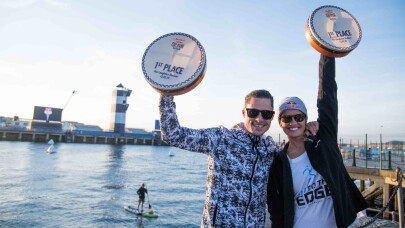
x: 379, y: 177
x: 385, y: 159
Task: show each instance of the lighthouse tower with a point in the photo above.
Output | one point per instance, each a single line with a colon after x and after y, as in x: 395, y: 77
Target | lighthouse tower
x: 119, y: 107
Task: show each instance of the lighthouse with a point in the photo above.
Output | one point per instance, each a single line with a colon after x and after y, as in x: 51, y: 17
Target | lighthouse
x: 119, y: 108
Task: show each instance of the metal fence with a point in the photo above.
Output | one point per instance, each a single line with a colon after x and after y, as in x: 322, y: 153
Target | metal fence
x: 387, y: 159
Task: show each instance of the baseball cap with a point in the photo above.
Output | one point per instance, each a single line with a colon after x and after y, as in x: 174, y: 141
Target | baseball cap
x: 292, y: 103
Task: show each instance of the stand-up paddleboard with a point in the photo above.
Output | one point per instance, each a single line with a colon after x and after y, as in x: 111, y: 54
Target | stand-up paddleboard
x: 148, y: 214
x: 132, y: 210
x: 174, y: 63
x: 332, y: 31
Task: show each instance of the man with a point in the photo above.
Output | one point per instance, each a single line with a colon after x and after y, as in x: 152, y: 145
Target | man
x: 238, y: 160
x: 141, y: 193
x: 282, y: 144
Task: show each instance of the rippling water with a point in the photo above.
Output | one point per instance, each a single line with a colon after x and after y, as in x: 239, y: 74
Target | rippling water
x: 83, y: 185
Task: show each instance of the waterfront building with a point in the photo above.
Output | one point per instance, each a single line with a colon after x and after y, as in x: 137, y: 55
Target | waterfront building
x: 119, y: 108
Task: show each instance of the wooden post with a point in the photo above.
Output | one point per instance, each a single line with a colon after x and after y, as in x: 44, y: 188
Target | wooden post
x: 400, y: 200
x: 386, y: 197
x: 362, y: 185
x: 366, y: 150
x: 354, y: 158
x: 389, y: 160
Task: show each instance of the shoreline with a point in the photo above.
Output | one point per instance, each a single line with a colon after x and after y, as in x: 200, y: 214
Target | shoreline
x: 78, y: 136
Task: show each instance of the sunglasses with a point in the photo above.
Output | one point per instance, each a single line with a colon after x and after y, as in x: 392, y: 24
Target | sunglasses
x: 253, y: 113
x: 289, y: 118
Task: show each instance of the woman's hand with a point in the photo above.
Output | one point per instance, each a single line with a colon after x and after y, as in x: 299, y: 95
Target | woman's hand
x: 311, y: 128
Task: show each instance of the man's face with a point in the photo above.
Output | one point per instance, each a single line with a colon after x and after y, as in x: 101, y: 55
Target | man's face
x: 257, y: 125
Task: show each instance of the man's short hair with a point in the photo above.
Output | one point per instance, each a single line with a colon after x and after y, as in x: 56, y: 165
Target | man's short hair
x: 261, y: 93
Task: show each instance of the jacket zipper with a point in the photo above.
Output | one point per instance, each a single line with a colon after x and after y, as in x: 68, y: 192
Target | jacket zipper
x: 250, y: 186
x: 215, y: 216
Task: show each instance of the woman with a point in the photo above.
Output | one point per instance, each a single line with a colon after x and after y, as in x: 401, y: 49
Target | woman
x: 309, y: 185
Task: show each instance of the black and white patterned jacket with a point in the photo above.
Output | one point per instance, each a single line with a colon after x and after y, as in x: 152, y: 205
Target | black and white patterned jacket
x: 238, y: 167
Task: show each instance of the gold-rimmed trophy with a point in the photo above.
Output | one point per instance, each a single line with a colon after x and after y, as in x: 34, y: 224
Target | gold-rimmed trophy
x: 174, y: 63
x: 332, y: 31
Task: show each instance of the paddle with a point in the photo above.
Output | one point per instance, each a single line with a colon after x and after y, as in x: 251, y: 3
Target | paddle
x: 148, y: 201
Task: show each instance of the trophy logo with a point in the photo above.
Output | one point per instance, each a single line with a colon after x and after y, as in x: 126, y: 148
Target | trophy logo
x: 48, y: 113
x: 178, y: 44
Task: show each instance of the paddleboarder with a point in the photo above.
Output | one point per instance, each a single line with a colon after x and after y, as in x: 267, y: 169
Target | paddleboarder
x: 141, y: 193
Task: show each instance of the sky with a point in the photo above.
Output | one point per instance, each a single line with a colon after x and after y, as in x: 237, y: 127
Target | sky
x: 48, y: 48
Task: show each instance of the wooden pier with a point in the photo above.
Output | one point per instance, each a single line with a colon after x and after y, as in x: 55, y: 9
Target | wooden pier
x: 80, y: 137
x: 381, y: 182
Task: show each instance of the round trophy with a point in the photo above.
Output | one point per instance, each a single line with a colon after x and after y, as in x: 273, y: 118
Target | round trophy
x: 174, y: 63
x: 332, y: 31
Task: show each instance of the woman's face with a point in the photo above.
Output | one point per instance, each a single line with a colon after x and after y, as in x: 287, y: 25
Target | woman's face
x: 293, y: 123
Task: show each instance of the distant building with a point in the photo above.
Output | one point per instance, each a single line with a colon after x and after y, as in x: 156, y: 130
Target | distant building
x: 85, y: 127
x: 119, y: 108
x: 136, y: 131
x: 156, y: 131
x: 49, y: 119
x: 14, y: 123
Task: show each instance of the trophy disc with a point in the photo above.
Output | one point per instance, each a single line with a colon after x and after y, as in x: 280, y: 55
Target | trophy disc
x: 174, y: 63
x: 332, y: 31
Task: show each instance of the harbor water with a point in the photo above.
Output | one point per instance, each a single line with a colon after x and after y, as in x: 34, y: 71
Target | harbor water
x: 88, y: 185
